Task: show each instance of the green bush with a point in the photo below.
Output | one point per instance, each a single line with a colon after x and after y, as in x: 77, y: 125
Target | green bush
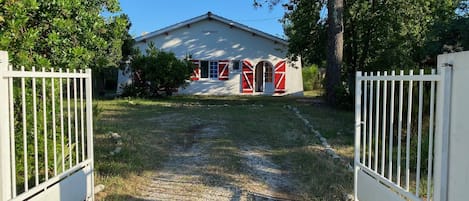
x: 311, y: 78
x: 157, y: 71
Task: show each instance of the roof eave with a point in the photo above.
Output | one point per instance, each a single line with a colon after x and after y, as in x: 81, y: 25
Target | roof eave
x: 169, y: 28
x: 210, y: 16
x: 249, y: 29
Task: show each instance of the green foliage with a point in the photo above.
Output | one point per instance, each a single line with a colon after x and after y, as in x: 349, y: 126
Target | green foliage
x: 344, y: 97
x: 311, y: 78
x: 306, y: 31
x: 388, y: 35
x: 29, y: 134
x: 157, y: 71
x: 62, y: 33
x: 137, y: 88
x: 377, y: 34
x: 447, y: 36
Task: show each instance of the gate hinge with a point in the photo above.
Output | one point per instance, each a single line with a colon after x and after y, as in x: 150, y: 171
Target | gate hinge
x: 447, y: 65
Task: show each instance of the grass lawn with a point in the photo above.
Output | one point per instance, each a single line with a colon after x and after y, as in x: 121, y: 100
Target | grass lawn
x: 335, y: 125
x: 151, y: 129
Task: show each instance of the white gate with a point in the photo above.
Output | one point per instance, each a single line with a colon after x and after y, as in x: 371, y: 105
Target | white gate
x: 401, y: 135
x: 46, y: 134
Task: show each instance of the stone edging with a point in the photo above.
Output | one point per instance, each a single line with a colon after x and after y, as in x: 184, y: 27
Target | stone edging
x: 117, y: 139
x: 329, y: 150
x: 327, y: 147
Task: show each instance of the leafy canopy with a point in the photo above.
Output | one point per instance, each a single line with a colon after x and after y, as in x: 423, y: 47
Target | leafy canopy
x: 62, y: 33
x: 377, y: 34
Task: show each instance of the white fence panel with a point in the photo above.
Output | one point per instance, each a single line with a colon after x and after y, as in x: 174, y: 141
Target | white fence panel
x: 397, y: 119
x: 46, y: 134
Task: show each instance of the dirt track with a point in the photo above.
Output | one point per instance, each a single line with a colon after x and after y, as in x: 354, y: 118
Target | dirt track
x: 191, y: 173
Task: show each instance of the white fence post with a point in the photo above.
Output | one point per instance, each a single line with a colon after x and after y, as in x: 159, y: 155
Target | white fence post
x: 442, y: 132
x: 5, y: 157
x: 358, y: 124
x: 89, y: 129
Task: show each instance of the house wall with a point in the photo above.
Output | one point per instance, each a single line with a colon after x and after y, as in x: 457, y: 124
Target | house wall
x: 214, y: 87
x: 294, y: 79
x: 214, y: 40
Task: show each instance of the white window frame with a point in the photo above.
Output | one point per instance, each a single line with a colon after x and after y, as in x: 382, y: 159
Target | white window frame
x: 210, y: 65
x: 209, y: 74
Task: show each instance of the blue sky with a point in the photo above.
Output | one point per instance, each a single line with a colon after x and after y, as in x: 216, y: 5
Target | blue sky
x: 151, y: 15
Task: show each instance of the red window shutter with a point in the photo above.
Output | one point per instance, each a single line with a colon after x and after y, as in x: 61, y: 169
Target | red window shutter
x: 196, y: 74
x: 223, y: 71
x: 247, y: 77
x: 280, y: 75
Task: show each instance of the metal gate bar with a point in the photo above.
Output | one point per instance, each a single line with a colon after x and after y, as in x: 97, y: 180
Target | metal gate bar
x: 378, y: 129
x: 35, y: 144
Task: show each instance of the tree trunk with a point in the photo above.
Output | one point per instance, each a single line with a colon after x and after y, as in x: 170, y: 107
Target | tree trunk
x: 335, y: 45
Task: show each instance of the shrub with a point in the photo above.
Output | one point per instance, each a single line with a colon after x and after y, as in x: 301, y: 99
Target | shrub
x: 311, y: 78
x: 157, y: 71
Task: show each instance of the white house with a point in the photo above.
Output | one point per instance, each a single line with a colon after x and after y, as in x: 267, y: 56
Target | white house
x: 231, y: 58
